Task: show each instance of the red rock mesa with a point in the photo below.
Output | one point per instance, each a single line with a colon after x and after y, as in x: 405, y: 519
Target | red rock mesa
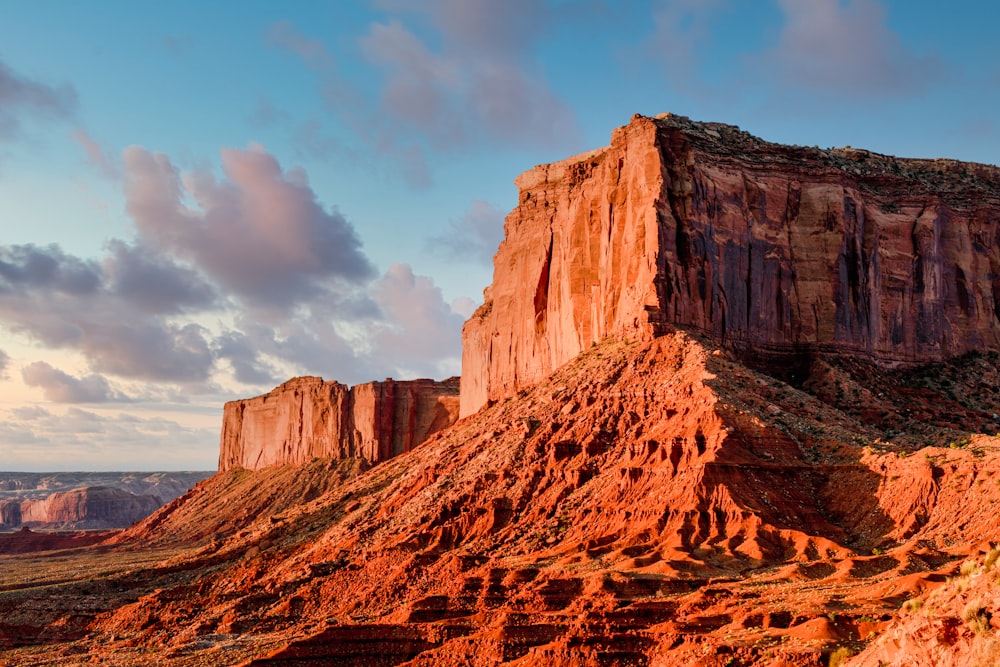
x: 307, y: 418
x: 771, y: 249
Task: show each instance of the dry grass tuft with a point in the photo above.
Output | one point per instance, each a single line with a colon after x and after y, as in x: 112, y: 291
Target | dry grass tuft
x: 839, y: 656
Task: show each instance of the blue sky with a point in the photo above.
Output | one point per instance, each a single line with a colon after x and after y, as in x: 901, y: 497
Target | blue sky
x: 200, y: 200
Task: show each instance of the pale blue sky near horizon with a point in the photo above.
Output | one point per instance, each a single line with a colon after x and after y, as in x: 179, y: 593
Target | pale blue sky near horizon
x: 200, y: 200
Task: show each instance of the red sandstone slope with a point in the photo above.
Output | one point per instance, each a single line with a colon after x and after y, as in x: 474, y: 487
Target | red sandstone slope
x: 953, y: 626
x: 653, y: 503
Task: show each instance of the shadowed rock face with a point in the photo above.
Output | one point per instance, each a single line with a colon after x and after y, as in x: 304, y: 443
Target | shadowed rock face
x: 90, y: 500
x: 89, y: 507
x: 771, y: 249
x: 307, y: 418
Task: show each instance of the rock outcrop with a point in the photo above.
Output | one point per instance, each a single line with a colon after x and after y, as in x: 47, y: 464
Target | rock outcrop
x: 87, y: 500
x: 772, y: 250
x: 307, y: 418
x: 649, y: 503
x: 88, y: 507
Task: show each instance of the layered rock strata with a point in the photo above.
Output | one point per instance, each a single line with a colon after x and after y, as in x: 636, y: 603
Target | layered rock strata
x: 87, y: 507
x: 307, y: 418
x: 770, y: 248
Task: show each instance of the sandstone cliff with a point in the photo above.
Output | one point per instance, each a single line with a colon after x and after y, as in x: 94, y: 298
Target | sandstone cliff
x: 768, y: 248
x: 308, y: 418
x: 88, y: 507
x: 90, y: 500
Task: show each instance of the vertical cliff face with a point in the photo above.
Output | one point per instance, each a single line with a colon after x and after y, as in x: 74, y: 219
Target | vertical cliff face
x: 308, y: 418
x: 769, y: 248
x: 88, y: 507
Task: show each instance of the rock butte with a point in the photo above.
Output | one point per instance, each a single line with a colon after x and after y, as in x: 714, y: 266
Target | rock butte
x: 89, y: 507
x: 307, y: 418
x: 772, y: 250
x: 623, y: 489
x: 81, y: 500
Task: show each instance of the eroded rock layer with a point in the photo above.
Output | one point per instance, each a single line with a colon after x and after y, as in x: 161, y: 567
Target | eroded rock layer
x: 651, y: 503
x: 87, y: 507
x: 770, y: 249
x: 307, y: 418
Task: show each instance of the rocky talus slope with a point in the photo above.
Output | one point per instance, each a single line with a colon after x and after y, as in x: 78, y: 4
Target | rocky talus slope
x: 650, y: 503
x: 772, y: 250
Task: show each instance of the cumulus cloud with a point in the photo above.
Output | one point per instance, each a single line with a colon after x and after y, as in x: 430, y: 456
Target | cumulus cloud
x: 62, y: 301
x: 21, y: 98
x: 845, y: 46
x: 479, y: 80
x: 30, y: 266
x: 60, y: 387
x: 476, y: 235
x: 244, y: 357
x: 381, y: 136
x: 246, y: 278
x: 155, y: 283
x: 472, y: 79
x: 261, y: 233
x: 4, y: 363
x: 422, y: 334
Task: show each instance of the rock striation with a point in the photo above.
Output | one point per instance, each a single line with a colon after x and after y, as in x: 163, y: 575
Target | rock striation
x: 87, y: 500
x: 88, y: 507
x: 772, y: 250
x: 307, y: 418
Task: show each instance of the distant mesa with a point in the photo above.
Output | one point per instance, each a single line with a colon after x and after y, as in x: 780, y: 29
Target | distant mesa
x: 87, y: 500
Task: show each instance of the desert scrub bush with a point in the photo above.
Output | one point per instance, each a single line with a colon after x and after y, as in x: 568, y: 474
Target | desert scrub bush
x: 968, y: 568
x: 974, y: 615
x: 991, y: 559
x: 839, y: 656
x: 913, y: 605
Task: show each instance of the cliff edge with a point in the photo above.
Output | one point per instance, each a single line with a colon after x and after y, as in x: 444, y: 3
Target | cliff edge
x: 772, y: 250
x: 307, y: 418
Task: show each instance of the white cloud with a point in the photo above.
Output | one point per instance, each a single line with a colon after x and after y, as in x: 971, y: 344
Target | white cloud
x: 73, y: 439
x: 238, y: 281
x: 477, y: 84
x: 421, y: 334
x: 260, y: 233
